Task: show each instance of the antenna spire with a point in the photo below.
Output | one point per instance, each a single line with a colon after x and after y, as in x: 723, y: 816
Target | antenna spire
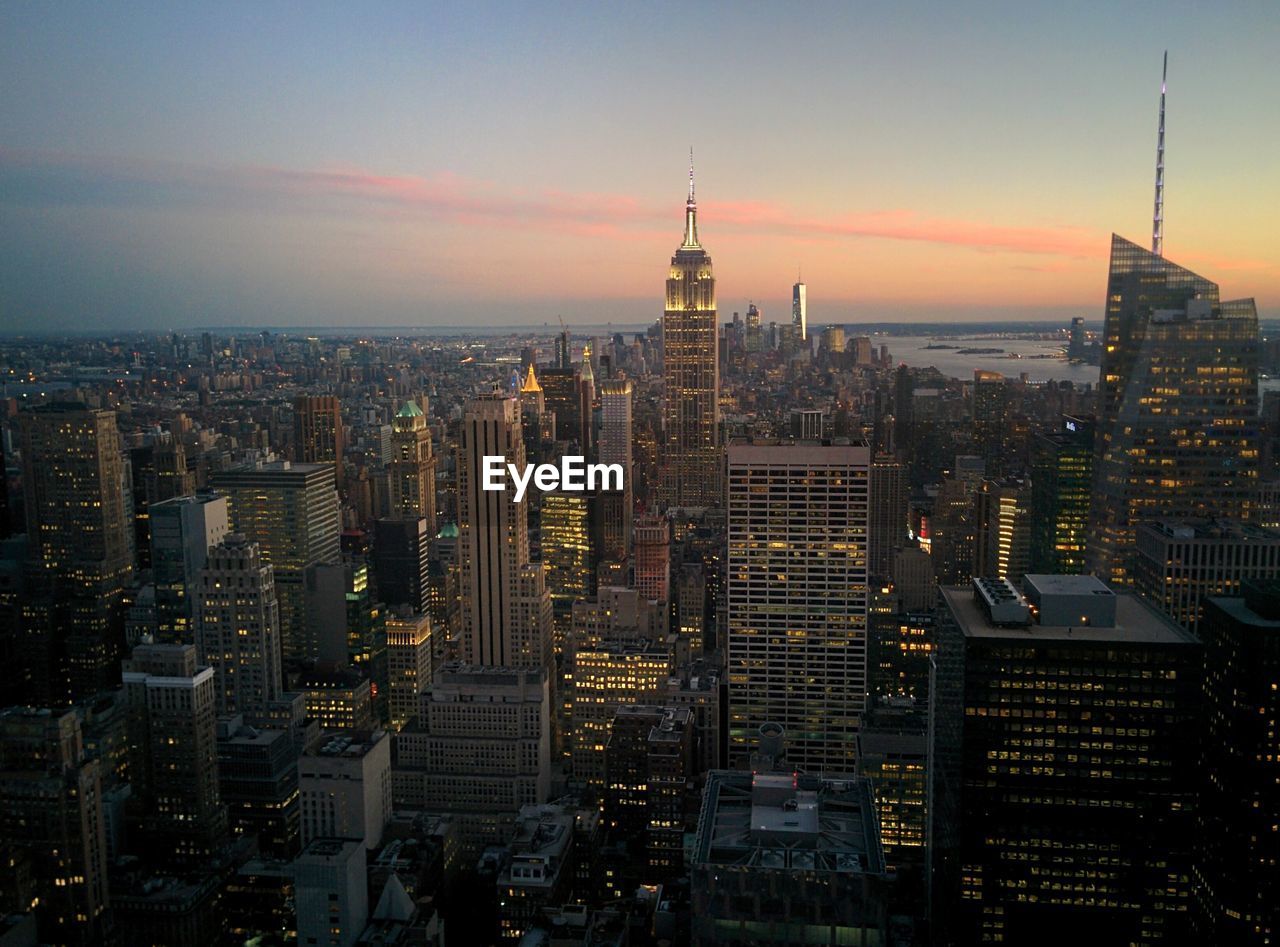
x: 1157, y: 222
x: 690, y: 213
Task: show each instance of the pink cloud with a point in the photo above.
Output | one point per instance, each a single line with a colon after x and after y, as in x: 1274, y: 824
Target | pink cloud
x: 453, y: 197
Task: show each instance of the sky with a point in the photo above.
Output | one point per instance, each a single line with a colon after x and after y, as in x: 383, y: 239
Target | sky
x: 323, y: 164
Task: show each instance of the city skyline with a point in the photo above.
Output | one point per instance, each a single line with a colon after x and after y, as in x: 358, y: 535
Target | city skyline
x: 190, y: 173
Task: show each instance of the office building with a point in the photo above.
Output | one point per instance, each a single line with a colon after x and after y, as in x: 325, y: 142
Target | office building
x: 1177, y: 429
x: 411, y: 474
x: 1180, y: 563
x: 237, y: 627
x: 332, y: 893
x: 800, y: 310
x: 182, y: 530
x: 1063, y: 765
x: 691, y: 373
x: 653, y: 557
x: 615, y: 448
x: 1002, y: 523
x: 894, y: 757
x: 506, y: 607
x: 1237, y: 864
x: 797, y: 597
x: 402, y: 562
x: 318, y: 436
x: 650, y: 762
x: 173, y: 752
x: 79, y: 520
x: 344, y: 787
x: 605, y: 678
x: 337, y: 698
x: 258, y: 781
x: 51, y: 818
x: 1061, y: 490
x: 990, y: 418
x: 781, y: 858
x: 291, y: 511
x: 409, y: 651
x: 480, y: 750
x: 887, y: 527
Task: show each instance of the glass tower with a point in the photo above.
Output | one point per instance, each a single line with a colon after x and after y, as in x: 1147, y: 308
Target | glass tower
x: 1177, y: 420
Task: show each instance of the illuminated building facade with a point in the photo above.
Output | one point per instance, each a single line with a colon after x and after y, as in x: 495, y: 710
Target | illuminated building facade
x: 506, y: 610
x: 338, y: 699
x: 258, y: 780
x: 604, y: 679
x: 1061, y: 490
x: 1237, y: 865
x: 691, y: 372
x: 797, y: 597
x: 567, y: 552
x: 800, y: 310
x: 409, y: 650
x: 79, y: 521
x: 890, y: 492
x: 1178, y: 405
x: 1064, y: 773
x: 615, y: 448
x: 317, y: 432
x: 237, y: 627
x: 291, y: 511
x: 895, y: 759
x: 1002, y: 521
x: 1180, y: 563
x: 653, y: 557
x: 411, y: 474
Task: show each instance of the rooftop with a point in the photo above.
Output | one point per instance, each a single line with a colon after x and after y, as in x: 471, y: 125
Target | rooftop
x: 788, y: 822
x: 1136, y: 623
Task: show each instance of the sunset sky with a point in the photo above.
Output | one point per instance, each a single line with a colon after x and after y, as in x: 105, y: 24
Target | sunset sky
x: 182, y: 165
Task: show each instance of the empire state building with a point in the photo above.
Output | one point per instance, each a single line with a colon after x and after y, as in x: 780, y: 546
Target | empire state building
x: 691, y: 371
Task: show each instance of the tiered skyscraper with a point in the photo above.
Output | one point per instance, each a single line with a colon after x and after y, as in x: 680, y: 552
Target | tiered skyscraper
x: 411, y: 475
x: 691, y: 371
x: 506, y: 612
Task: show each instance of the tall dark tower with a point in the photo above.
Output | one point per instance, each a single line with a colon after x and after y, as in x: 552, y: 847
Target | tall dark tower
x: 691, y: 372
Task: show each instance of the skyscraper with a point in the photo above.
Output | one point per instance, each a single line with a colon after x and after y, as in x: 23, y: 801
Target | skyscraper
x: 51, y: 814
x: 797, y: 598
x: 182, y: 530
x: 291, y: 512
x: 800, y: 309
x: 1237, y: 865
x: 1177, y: 428
x: 506, y: 607
x: 1061, y: 487
x: 173, y: 752
x: 237, y: 627
x: 888, y: 511
x: 1063, y: 766
x: 615, y: 505
x: 691, y: 372
x: 409, y: 647
x: 653, y: 558
x: 411, y: 475
x: 80, y: 528
x: 317, y: 432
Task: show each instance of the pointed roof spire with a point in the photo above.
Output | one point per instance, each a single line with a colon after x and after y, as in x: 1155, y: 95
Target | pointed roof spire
x: 690, y: 214
x: 530, y: 381
x: 587, y: 373
x: 1157, y: 222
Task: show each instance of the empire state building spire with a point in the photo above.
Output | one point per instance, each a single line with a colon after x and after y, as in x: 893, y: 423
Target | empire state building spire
x: 690, y: 214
